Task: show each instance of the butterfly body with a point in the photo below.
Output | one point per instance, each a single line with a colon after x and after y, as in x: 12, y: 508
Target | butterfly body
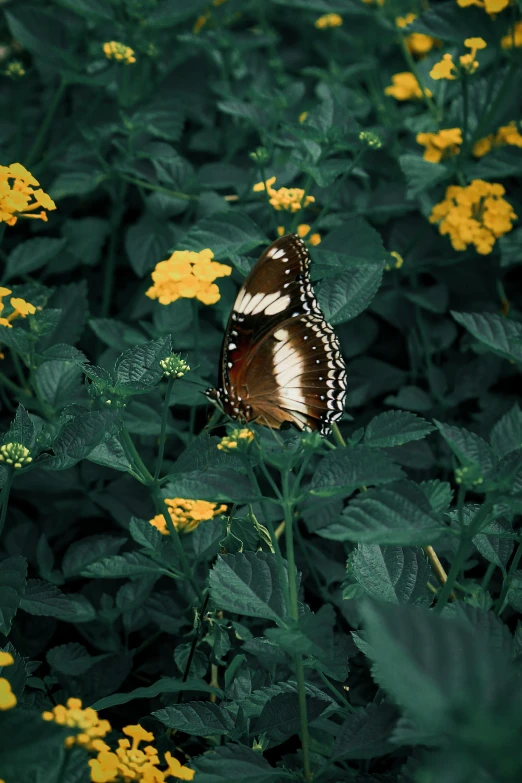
x: 281, y: 361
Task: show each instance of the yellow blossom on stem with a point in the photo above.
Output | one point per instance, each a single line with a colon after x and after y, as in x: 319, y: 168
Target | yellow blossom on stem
x: 288, y: 199
x: 444, y: 144
x: 474, y: 215
x: 188, y: 275
x: 238, y: 439
x: 186, y: 514
x: 405, y: 86
x: 18, y: 196
x: 7, y: 697
x: 507, y: 135
x: 303, y: 116
x: 328, y: 20
x: 92, y: 728
x: 447, y: 69
x: 14, y: 70
x: 513, y: 38
x: 114, y: 50
x: 15, y: 454
x: 416, y: 43
x: 491, y: 7
x: 20, y: 308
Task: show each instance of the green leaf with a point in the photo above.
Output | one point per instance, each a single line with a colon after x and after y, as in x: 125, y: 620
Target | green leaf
x: 75, y: 183
x: 130, y: 564
x: 498, y: 333
x: 398, y: 515
x: 496, y: 548
x: 13, y: 572
x: 71, y: 659
x: 85, y: 238
x: 165, y: 685
x: 138, y: 370
x: 352, y: 244
x: 96, y: 10
x: 22, y: 429
x: 511, y: 248
x: 59, y: 383
x: 234, y: 764
x: 78, y: 437
x: 366, y: 734
x: 345, y: 296
x: 31, y: 255
x: 312, y: 636
x: 249, y: 584
x: 147, y: 242
x: 471, y: 450
x: 172, y: 12
x: 42, y: 34
x: 29, y: 744
x: 82, y: 553
x: 214, y: 484
x: 442, y: 21
x: 391, y: 573
x: 46, y: 600
x: 198, y: 718
x: 145, y: 534
x: 506, y: 435
x: 395, y: 428
x: 279, y: 719
x: 226, y: 234
x: 111, y: 454
x: 439, y: 494
x: 116, y: 334
x: 72, y: 301
x: 421, y: 174
x: 343, y: 471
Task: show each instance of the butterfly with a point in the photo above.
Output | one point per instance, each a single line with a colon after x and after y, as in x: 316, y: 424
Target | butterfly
x: 281, y: 361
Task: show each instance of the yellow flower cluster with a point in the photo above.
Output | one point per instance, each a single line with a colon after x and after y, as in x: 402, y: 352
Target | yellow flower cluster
x: 119, y: 52
x: 491, y: 7
x: 92, y: 728
x: 20, y: 307
x: 188, y: 275
x: 513, y: 38
x: 328, y: 20
x: 174, y: 366
x: 18, y: 197
x: 14, y: 70
x: 446, y: 68
x: 240, y: 438
x: 7, y: 697
x: 186, y: 514
x: 130, y: 762
x: 303, y: 229
x: 405, y: 86
x: 288, y: 199
x: 15, y: 454
x: 506, y: 135
x: 474, y: 215
x: 443, y: 144
x: 416, y: 43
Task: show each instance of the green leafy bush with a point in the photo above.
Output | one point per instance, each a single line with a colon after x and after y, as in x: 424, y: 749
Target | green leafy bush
x: 187, y: 597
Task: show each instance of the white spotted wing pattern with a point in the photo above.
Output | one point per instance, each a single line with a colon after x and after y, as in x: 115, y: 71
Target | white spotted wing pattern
x: 281, y: 361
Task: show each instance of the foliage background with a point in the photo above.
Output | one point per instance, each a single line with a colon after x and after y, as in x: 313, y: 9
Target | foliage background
x: 402, y: 684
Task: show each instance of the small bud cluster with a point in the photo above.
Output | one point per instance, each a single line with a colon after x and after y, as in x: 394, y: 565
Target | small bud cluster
x: 174, y: 366
x: 15, y: 454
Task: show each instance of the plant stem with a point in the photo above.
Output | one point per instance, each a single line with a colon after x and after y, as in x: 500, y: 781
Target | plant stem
x: 133, y: 456
x: 118, y: 209
x: 415, y: 71
x: 4, y: 497
x: 335, y: 189
x: 338, y: 438
x: 150, y: 186
x: 178, y: 546
x: 9, y: 384
x: 193, y: 645
x: 163, y: 430
x: 287, y: 504
x: 507, y: 581
x: 487, y: 576
x: 437, y: 568
x: 44, y: 127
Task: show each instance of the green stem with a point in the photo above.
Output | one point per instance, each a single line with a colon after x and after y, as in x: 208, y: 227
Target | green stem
x: 135, y: 459
x: 298, y: 214
x: 338, y: 438
x: 193, y: 645
x: 287, y: 504
x: 335, y: 189
x: 12, y: 386
x: 415, y: 71
x: 44, y: 127
x: 4, y: 496
x: 118, y: 209
x: 178, y: 546
x: 150, y: 186
x: 487, y: 576
x: 163, y: 430
x: 507, y: 581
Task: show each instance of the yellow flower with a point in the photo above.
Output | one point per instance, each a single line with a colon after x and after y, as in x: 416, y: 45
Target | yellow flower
x: 491, y: 7
x: 130, y: 762
x: 303, y: 116
x: 15, y: 454
x: 200, y: 23
x: 328, y: 20
x: 474, y: 215
x: 6, y: 659
x: 404, y: 87
x: 14, y: 69
x: 92, y: 728
x: 188, y: 275
x: 513, y: 38
x: 186, y: 514
x: 18, y: 197
x: 288, y: 199
x: 237, y: 439
x: 416, y: 43
x: 444, y: 69
x: 23, y: 308
x: 507, y: 135
x: 7, y: 697
x: 443, y: 144
x: 114, y: 50
x: 399, y: 261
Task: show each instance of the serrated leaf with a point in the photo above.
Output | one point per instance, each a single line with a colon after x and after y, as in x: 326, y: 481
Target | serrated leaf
x: 71, y: 659
x: 13, y: 571
x: 366, y: 734
x: 215, y: 485
x: 82, y: 553
x: 78, y: 437
x: 471, y: 450
x: 59, y: 382
x: 198, y: 718
x: 352, y: 244
x: 501, y: 335
x: 279, y: 718
x: 46, y: 600
x: 439, y: 494
x: 398, y: 515
x: 145, y: 534
x: 22, y: 429
x: 226, y: 233
x: 147, y: 243
x: 138, y: 370
x: 165, y: 685
x: 31, y: 255
x: 345, y: 296
x: 343, y: 471
x: 391, y: 573
x: 29, y: 744
x: 394, y: 428
x: 111, y: 454
x: 421, y: 174
x: 248, y: 583
x: 71, y: 299
x: 506, y: 435
x: 234, y: 764
x: 131, y: 564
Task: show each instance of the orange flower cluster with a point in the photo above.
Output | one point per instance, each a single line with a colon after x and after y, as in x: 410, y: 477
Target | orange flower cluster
x: 506, y: 135
x: 188, y: 275
x: 513, y: 38
x: 474, y: 215
x: 20, y: 308
x: 92, y: 729
x: 443, y: 144
x: 491, y: 7
x: 405, y: 86
x: 416, y: 43
x: 18, y: 196
x: 186, y: 514
x: 446, y: 68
